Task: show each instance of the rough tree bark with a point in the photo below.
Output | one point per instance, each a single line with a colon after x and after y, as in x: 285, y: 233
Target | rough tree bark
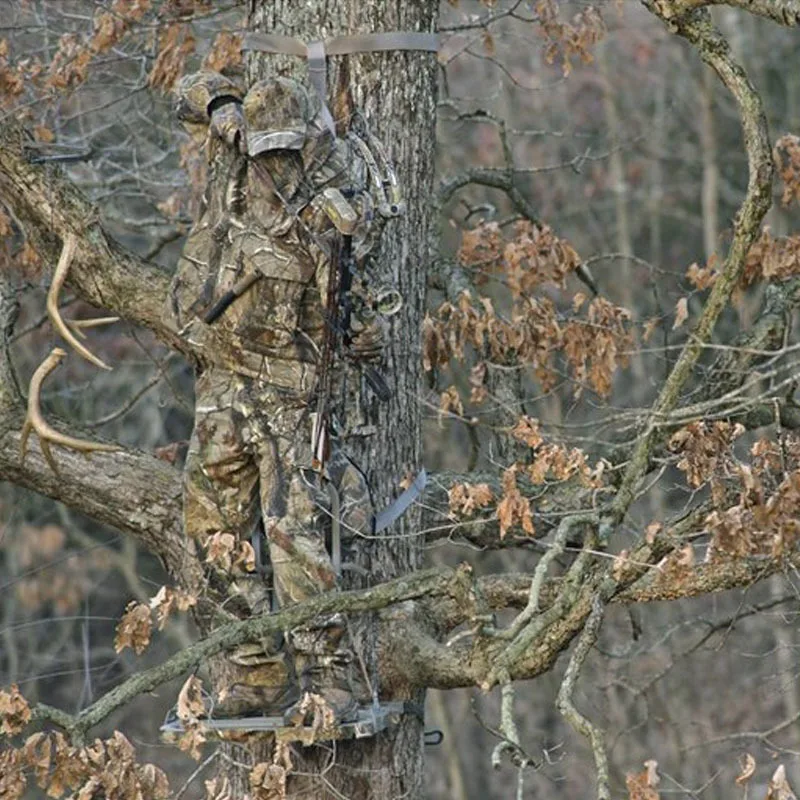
x: 396, y: 92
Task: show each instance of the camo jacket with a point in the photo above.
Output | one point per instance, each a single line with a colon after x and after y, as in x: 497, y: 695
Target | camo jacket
x: 274, y: 331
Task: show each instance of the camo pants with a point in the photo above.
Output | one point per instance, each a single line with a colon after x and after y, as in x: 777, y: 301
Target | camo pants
x: 250, y: 452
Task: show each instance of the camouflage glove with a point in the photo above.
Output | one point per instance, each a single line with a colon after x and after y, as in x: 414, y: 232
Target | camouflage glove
x: 227, y: 124
x: 367, y: 339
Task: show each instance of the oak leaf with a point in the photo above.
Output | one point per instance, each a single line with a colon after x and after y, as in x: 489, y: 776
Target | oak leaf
x: 190, y: 700
x: 15, y: 713
x: 681, y: 312
x: 134, y: 628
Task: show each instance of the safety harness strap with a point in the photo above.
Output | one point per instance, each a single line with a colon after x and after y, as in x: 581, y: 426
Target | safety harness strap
x: 317, y: 52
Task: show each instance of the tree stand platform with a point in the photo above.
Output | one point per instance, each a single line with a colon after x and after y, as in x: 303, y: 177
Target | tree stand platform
x: 371, y: 720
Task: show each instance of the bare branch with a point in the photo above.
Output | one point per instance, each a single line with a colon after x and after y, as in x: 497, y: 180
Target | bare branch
x: 567, y: 708
x: 427, y: 583
x: 784, y: 12
x: 697, y: 28
x: 49, y: 207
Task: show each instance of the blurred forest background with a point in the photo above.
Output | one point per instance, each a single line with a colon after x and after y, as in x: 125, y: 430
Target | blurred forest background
x: 635, y: 158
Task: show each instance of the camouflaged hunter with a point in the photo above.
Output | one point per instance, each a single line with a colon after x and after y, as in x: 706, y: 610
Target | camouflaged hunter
x: 249, y: 294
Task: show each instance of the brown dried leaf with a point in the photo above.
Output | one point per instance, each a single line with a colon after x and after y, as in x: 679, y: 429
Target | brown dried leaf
x: 649, y: 328
x: 513, y: 507
x: 702, y: 277
x: 779, y: 788
x: 192, y: 741
x: 527, y: 431
x: 651, y: 531
x: 246, y: 557
x: 15, y: 713
x: 642, y: 785
x: 38, y: 753
x: 134, y: 628
x: 12, y: 774
x: 450, y: 402
x: 748, y: 769
x: 465, y: 498
x: 153, y: 782
x: 190, y: 700
x: 219, y: 550
x: 681, y: 312
x: 477, y: 383
x: 167, y: 600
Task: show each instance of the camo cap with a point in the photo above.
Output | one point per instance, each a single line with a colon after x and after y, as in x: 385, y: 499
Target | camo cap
x: 277, y: 112
x: 196, y: 92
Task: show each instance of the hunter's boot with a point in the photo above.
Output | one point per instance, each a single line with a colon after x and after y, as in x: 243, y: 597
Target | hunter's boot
x: 327, y: 676
x: 260, y: 680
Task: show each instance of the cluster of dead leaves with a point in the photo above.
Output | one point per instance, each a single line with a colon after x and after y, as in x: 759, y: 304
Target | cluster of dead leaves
x: 769, y: 258
x: 567, y: 40
x: 71, y: 62
x: 706, y: 450
x: 642, y: 785
x: 778, y: 787
x: 191, y: 710
x: 106, y: 768
x: 597, y: 347
x: 513, y: 508
x: 15, y: 713
x: 594, y: 348
x: 787, y: 158
x: 14, y: 77
x: 175, y: 44
x: 227, y: 552
x: 549, y: 460
x: 464, y: 499
x: 268, y: 779
x: 757, y: 525
x: 136, y: 626
x: 109, y: 27
x: 765, y: 519
x: 533, y: 256
x: 529, y: 337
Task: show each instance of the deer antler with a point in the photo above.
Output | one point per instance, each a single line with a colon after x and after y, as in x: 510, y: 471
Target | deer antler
x: 34, y: 421
x: 67, y: 253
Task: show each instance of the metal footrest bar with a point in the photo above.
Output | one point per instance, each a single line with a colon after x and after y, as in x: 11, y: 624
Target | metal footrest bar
x: 370, y: 720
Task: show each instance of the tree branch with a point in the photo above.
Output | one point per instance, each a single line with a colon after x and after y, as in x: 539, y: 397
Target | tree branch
x: 697, y: 28
x: 428, y: 583
x: 567, y: 708
x: 48, y: 206
x: 784, y: 12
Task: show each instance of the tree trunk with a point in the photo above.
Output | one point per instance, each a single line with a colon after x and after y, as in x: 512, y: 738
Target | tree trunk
x: 396, y: 92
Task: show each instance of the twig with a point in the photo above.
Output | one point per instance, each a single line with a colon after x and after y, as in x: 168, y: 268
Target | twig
x: 697, y: 28
x: 567, y: 708
x: 431, y: 582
